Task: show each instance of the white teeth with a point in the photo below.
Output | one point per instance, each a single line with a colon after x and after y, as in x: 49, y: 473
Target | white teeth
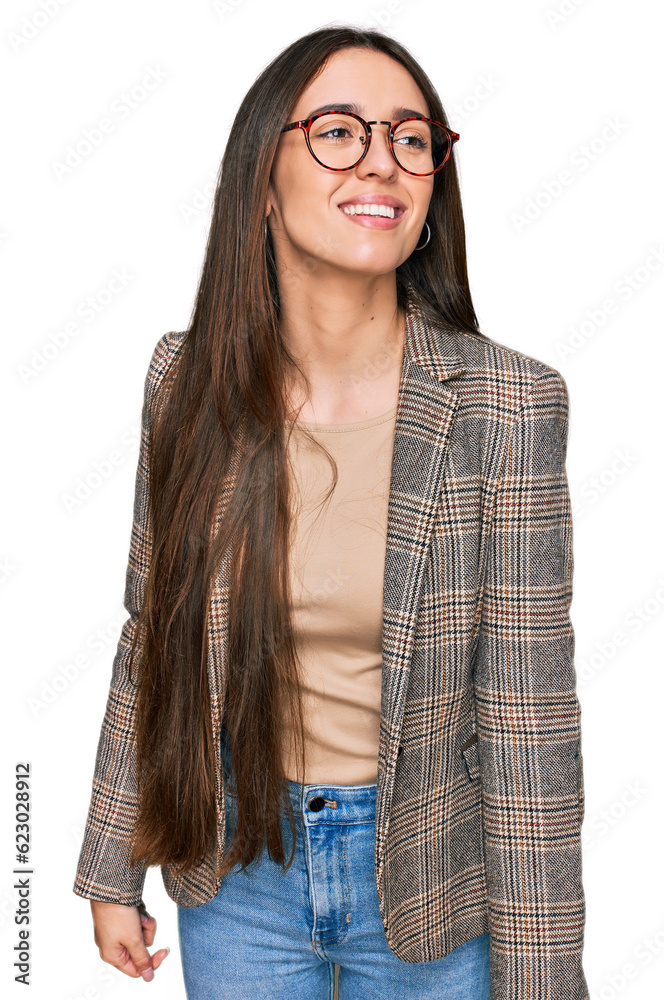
x: 370, y: 209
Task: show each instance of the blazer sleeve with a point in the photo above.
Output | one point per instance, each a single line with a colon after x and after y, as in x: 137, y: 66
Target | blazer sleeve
x: 528, y: 715
x: 103, y: 871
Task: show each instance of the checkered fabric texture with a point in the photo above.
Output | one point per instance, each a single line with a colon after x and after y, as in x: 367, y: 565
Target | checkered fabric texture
x: 480, y: 796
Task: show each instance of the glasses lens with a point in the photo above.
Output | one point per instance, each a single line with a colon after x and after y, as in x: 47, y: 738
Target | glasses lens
x: 421, y: 146
x: 338, y: 141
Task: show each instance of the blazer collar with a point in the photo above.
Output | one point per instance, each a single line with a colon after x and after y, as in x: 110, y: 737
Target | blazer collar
x: 431, y: 344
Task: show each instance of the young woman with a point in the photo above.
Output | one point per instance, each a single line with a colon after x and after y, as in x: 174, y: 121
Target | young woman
x: 354, y: 737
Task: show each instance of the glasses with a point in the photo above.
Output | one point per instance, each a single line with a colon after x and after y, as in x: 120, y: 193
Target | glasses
x: 339, y: 140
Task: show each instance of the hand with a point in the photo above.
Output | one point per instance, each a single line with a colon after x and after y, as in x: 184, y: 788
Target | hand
x: 123, y: 935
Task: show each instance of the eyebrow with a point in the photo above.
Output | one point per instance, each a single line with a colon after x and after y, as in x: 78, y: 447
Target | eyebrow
x: 397, y: 113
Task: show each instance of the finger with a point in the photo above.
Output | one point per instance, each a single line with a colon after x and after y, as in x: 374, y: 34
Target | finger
x: 159, y: 957
x: 149, y: 927
x: 141, y: 959
x: 126, y: 964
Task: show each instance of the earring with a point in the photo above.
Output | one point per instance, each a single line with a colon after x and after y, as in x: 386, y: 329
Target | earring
x: 427, y: 239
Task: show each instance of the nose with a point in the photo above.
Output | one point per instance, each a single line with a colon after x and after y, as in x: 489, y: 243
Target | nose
x: 379, y: 155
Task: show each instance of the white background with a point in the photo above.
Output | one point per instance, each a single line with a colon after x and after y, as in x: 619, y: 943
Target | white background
x: 534, y: 88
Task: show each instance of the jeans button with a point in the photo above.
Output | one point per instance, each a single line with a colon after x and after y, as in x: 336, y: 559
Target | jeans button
x: 316, y: 804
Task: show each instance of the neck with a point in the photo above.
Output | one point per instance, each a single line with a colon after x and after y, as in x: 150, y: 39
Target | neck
x: 347, y: 339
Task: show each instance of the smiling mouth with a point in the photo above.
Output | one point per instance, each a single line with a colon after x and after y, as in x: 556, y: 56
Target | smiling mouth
x: 383, y: 211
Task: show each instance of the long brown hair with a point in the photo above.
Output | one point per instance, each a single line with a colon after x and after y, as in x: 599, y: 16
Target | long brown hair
x: 222, y: 407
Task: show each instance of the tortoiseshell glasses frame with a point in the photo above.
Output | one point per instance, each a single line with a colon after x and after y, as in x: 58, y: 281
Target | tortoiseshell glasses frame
x: 306, y: 123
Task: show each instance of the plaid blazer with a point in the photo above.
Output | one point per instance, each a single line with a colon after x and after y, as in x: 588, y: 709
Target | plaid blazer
x: 480, y: 795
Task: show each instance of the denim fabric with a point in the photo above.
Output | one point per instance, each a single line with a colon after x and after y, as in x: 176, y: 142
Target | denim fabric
x: 278, y: 935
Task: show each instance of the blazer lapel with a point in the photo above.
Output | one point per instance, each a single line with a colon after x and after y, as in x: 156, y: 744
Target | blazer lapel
x: 425, y: 415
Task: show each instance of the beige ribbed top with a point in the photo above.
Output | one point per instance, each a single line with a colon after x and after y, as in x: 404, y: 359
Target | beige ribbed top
x: 337, y: 567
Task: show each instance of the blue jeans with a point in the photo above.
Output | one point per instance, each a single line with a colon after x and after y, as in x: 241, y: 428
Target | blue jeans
x: 277, y: 935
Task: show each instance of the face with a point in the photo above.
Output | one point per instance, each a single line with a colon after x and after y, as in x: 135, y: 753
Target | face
x: 310, y: 229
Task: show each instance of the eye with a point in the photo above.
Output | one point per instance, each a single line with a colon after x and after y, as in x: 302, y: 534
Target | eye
x: 413, y: 141
x: 416, y: 141
x: 328, y: 134
x: 333, y: 129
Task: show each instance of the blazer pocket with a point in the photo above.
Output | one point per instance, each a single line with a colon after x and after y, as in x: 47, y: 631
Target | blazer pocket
x: 470, y: 751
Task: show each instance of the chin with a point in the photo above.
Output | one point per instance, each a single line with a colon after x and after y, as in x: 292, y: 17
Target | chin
x: 372, y: 263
